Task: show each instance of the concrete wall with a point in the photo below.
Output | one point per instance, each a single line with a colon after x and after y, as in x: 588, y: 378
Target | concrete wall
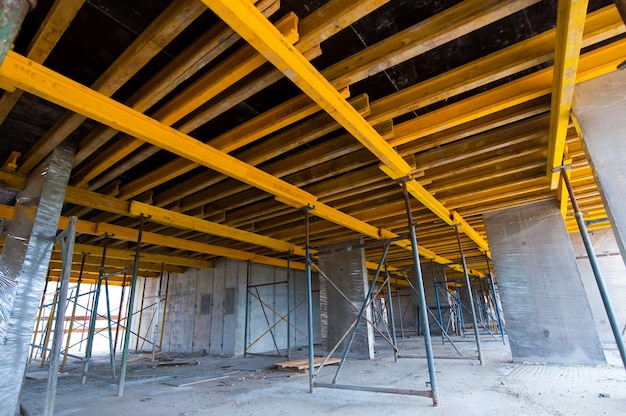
x: 614, y: 274
x: 543, y: 298
x: 206, y: 310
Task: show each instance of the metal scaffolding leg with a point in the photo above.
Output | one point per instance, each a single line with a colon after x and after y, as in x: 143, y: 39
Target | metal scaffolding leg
x: 392, y: 320
x: 38, y: 320
x: 167, y: 287
x: 422, y: 299
x: 131, y: 298
x: 94, y: 314
x: 595, y: 267
x: 66, y: 239
x: 119, y: 314
x: 245, y: 329
x: 288, y: 307
x: 471, y: 297
x: 495, y: 300
x: 309, y: 298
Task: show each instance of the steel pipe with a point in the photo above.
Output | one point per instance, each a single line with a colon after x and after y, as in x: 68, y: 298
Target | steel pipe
x: 471, y: 297
x: 422, y: 297
x: 608, y: 306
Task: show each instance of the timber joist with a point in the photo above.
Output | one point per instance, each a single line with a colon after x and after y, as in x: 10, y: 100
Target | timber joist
x: 244, y: 151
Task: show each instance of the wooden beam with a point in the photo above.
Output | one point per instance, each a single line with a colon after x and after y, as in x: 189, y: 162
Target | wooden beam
x: 458, y: 20
x: 197, y: 55
x: 271, y: 121
x: 54, y: 87
x: 600, y: 25
x: 592, y: 64
x: 171, y: 22
x: 50, y: 31
x: 259, y: 32
x: 174, y: 219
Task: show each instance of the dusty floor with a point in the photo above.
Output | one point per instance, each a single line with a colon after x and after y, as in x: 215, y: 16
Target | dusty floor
x: 251, y: 386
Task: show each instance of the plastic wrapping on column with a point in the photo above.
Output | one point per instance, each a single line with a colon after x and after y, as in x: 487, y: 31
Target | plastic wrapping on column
x: 346, y: 269
x: 12, y: 14
x: 24, y: 264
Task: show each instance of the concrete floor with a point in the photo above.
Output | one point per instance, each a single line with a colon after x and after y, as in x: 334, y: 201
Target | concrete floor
x: 251, y: 386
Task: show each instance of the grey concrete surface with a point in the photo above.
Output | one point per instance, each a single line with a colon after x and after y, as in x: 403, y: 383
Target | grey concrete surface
x: 543, y: 298
x: 251, y: 387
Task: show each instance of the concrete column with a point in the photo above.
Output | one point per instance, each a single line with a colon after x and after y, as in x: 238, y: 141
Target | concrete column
x: 543, y: 298
x: 12, y: 14
x: 348, y: 271
x: 599, y: 107
x: 23, y: 267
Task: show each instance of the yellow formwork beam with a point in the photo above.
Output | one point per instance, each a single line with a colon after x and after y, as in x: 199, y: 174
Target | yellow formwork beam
x: 570, y: 23
x: 175, y: 219
x: 235, y: 67
x: 171, y: 22
x: 592, y: 64
x: 259, y: 32
x: 263, y: 36
x: 47, y: 84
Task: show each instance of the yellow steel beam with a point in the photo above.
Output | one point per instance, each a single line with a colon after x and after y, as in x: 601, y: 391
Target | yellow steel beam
x: 317, y: 26
x: 130, y: 234
x: 175, y: 219
x: 56, y: 88
x: 260, y: 33
x: 120, y: 264
x: 52, y: 28
x: 570, y: 24
x: 469, y: 15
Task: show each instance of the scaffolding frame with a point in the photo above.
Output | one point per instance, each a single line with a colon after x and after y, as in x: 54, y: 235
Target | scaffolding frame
x: 252, y: 293
x: 433, y: 392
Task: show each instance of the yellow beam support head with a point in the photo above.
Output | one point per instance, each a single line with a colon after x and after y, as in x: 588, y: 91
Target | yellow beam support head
x: 570, y: 24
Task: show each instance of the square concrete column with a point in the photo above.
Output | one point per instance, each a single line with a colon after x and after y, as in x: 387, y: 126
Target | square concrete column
x: 544, y: 302
x: 600, y: 110
x: 346, y: 268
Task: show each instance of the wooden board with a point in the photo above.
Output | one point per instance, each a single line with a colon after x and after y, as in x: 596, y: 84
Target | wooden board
x: 304, y: 363
x: 194, y: 380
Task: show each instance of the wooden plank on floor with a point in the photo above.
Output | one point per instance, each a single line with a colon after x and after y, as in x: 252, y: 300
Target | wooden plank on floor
x: 195, y: 380
x: 304, y: 363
